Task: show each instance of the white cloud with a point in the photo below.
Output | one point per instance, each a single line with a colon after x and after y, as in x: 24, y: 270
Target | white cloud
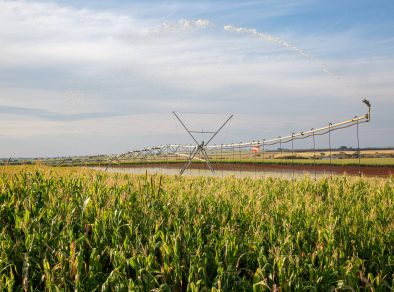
x: 24, y: 127
x: 184, y: 24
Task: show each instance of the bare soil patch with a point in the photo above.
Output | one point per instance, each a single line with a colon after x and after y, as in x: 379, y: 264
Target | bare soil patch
x: 371, y: 171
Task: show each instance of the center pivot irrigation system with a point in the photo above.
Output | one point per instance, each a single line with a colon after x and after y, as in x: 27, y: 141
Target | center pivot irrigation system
x: 204, y: 152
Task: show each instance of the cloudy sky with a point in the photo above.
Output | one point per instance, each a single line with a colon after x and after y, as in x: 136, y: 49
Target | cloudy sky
x: 88, y: 77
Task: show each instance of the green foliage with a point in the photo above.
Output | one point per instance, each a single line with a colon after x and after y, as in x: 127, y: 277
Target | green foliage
x: 63, y: 229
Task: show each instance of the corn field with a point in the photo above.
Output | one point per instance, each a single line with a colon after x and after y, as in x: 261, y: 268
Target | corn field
x: 79, y: 229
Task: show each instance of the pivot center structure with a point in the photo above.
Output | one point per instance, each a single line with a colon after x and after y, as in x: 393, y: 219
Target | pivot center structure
x: 200, y: 146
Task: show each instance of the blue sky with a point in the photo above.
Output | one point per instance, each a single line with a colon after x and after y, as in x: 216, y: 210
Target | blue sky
x: 87, y: 77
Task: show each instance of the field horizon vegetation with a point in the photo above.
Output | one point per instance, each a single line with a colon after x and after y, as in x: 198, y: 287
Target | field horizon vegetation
x: 341, y: 157
x: 76, y: 228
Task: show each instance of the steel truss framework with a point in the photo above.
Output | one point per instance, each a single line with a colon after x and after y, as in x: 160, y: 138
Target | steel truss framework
x: 189, y: 152
x: 200, y: 147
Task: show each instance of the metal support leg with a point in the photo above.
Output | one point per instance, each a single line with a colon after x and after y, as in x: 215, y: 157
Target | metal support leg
x: 189, y: 161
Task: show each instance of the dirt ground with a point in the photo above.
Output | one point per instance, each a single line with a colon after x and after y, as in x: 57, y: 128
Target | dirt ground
x: 370, y: 171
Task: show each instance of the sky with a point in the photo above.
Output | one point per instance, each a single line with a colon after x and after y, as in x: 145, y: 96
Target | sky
x: 103, y: 77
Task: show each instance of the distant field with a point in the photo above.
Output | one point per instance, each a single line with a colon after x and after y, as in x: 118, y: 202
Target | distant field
x: 383, y: 157
x: 368, y: 158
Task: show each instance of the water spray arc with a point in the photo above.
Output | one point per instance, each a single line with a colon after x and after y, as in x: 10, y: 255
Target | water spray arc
x: 281, y: 42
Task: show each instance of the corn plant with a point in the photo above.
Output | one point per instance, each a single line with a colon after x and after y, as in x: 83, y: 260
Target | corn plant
x: 79, y: 229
